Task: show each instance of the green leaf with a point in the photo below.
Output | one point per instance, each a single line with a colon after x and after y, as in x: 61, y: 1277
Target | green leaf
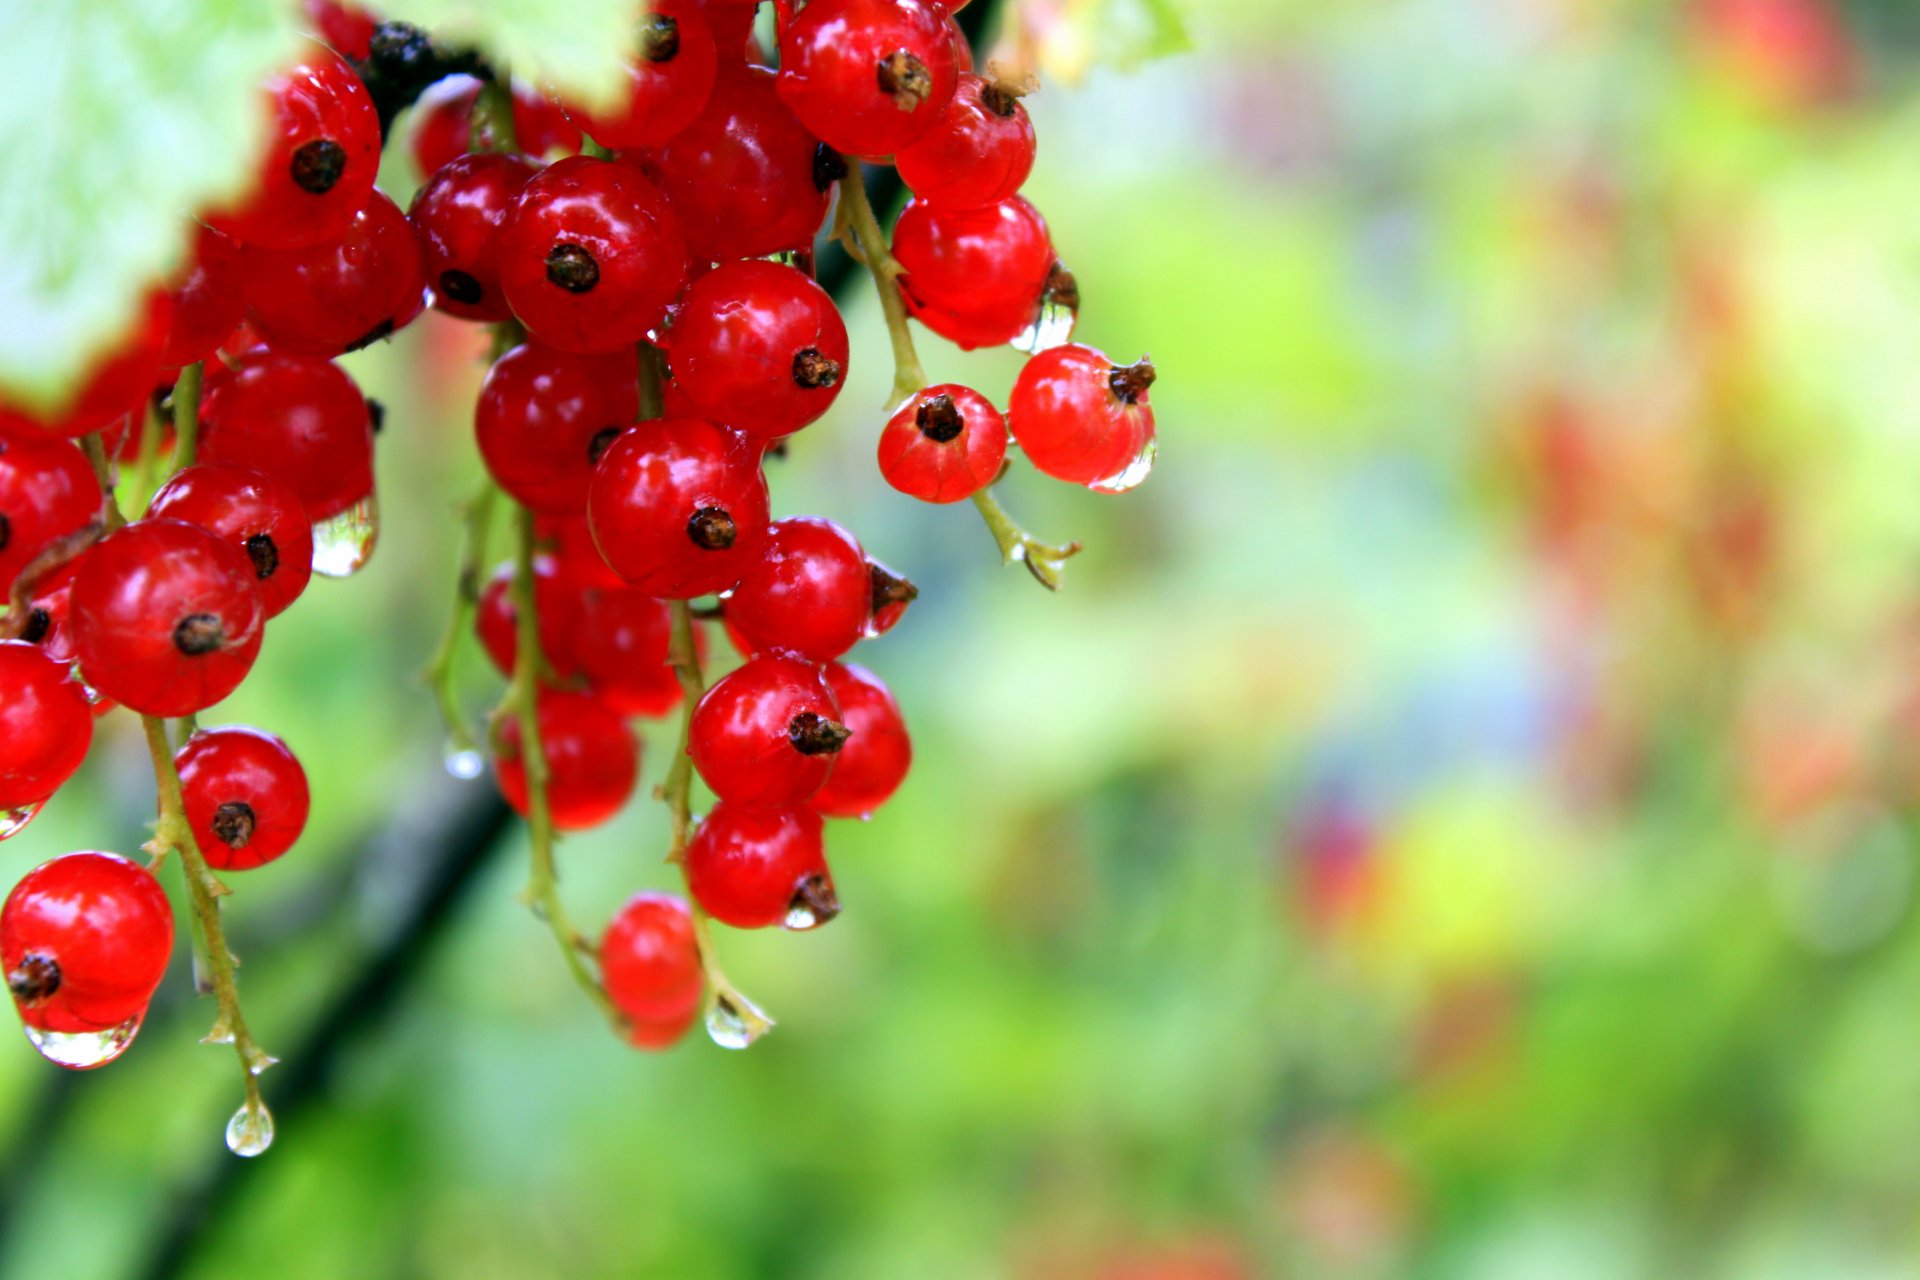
x: 576, y: 47
x: 118, y: 118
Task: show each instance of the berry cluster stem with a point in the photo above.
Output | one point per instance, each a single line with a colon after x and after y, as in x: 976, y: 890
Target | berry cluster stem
x: 1044, y: 560
x: 476, y: 523
x: 186, y: 415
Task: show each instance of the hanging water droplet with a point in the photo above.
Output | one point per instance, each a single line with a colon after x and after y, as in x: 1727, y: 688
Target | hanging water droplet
x: 734, y: 1022
x: 84, y: 1050
x: 464, y: 763
x: 258, y: 1064
x: 221, y: 1033
x: 1058, y: 313
x: 343, y: 543
x: 813, y: 904
x: 1132, y: 474
x: 14, y: 821
x: 251, y: 1130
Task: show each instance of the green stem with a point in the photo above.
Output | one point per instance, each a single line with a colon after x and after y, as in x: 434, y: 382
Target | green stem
x: 477, y: 522
x: 493, y: 116
x: 1047, y: 563
x: 186, y: 417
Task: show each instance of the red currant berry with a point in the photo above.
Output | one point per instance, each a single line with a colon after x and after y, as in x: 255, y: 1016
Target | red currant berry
x: 747, y: 179
x: 945, y: 444
x: 47, y: 626
x: 206, y: 300
x: 1082, y: 418
x: 867, y: 77
x: 455, y: 216
x: 571, y: 542
x: 323, y: 150
x: 166, y: 618
x: 346, y: 27
x: 751, y: 868
x: 590, y: 255
x: 766, y: 735
x: 254, y: 512
x: 445, y: 124
x: 622, y: 644
x: 877, y: 755
x: 299, y: 420
x: 678, y: 508
x: 759, y: 346
x: 47, y: 491
x: 974, y: 276
x: 544, y: 418
x: 731, y: 22
x: 84, y: 940
x: 559, y: 597
x: 245, y: 794
x: 808, y: 592
x: 662, y: 1033
x: 341, y: 294
x: 592, y: 760
x: 978, y: 153
x: 649, y: 959
x: 119, y: 381
x: 46, y: 725
x: 891, y: 596
x: 668, y: 81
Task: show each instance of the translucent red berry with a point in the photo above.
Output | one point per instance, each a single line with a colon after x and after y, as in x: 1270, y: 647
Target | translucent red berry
x: 592, y: 760
x: 559, y: 597
x: 245, y: 793
x: 207, y: 301
x: 346, y: 27
x: 544, y: 418
x: 456, y: 216
x: 649, y: 959
x: 979, y: 151
x: 340, y: 294
x: 809, y: 591
x: 255, y: 513
x: 323, y: 150
x: 1080, y: 417
x: 622, y: 648
x: 662, y: 1033
x: 300, y: 420
x: 766, y: 735
x: 47, y: 491
x: 166, y: 617
x: 945, y: 444
x: 678, y: 507
x: 590, y: 255
x: 443, y: 126
x: 974, y: 276
x: 876, y: 757
x: 669, y: 80
x: 84, y: 941
x: 760, y: 347
x: 867, y: 77
x: 46, y: 725
x: 751, y: 868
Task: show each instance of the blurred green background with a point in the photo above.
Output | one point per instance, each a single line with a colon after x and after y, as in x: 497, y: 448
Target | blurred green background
x: 1459, y: 821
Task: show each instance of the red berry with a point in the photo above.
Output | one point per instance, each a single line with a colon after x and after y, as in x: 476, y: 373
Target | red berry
x: 560, y: 600
x: 47, y: 626
x: 46, y: 725
x: 47, y: 491
x: 84, y: 940
x: 245, y: 794
x: 979, y: 152
x: 544, y: 418
x: 766, y: 735
x: 891, y: 596
x: 731, y: 22
x: 668, y: 81
x: 945, y: 444
x: 444, y: 123
x: 206, y: 300
x: 877, y: 755
x: 301, y: 421
x: 571, y: 542
x: 118, y: 383
x: 323, y: 150
x: 166, y: 618
x: 254, y: 512
x: 752, y: 868
x: 650, y: 961
x: 592, y: 760
x: 759, y: 346
x: 678, y: 507
x: 808, y: 592
x: 590, y: 255
x: 340, y: 294
x: 663, y: 1033
x: 1079, y: 417
x: 867, y: 77
x: 455, y: 216
x: 347, y: 27
x: 974, y: 276
x: 746, y: 178
x: 622, y: 644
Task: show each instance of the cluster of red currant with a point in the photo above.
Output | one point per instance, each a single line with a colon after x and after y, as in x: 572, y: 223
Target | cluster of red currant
x: 658, y: 334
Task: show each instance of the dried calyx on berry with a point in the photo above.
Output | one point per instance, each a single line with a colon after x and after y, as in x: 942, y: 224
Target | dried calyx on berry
x: 572, y: 268
x: 712, y: 529
x: 198, y: 634
x: 813, y: 369
x: 317, y: 165
x: 905, y: 79
x: 814, y: 903
x: 815, y: 735
x: 264, y: 554
x: 1130, y: 382
x: 234, y: 822
x: 659, y: 38
x: 939, y: 419
x: 890, y: 588
x: 35, y: 978
x: 402, y: 61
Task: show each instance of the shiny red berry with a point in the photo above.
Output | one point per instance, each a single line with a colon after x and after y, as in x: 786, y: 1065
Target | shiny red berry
x: 323, y: 150
x: 443, y: 126
x: 46, y: 725
x: 877, y: 755
x: 590, y: 255
x: 678, y: 507
x: 544, y: 418
x: 47, y: 491
x: 300, y: 420
x: 255, y: 513
x: 48, y: 626
x: 622, y: 647
x: 867, y: 77
x: 166, y: 617
x: 662, y: 1033
x: 207, y: 301
x: 559, y: 597
x: 1080, y: 417
x: 808, y: 592
x: 766, y: 735
x: 456, y: 216
x: 751, y: 868
x: 974, y: 276
x: 979, y: 151
x: 592, y: 760
x: 346, y: 27
x: 84, y: 940
x: 245, y: 793
x: 117, y: 383
x: 760, y: 347
x: 945, y: 444
x: 570, y: 541
x: 649, y: 959
x: 668, y: 81
x: 341, y: 294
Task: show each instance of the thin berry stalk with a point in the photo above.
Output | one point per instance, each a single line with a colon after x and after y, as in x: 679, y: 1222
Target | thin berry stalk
x: 476, y: 524
x: 186, y: 416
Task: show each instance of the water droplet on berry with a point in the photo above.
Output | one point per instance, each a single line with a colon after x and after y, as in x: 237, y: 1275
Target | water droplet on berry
x: 734, y: 1022
x: 82, y: 1050
x: 1130, y: 475
x: 251, y: 1130
x: 1053, y: 323
x: 343, y: 543
x: 14, y: 821
x: 464, y: 763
